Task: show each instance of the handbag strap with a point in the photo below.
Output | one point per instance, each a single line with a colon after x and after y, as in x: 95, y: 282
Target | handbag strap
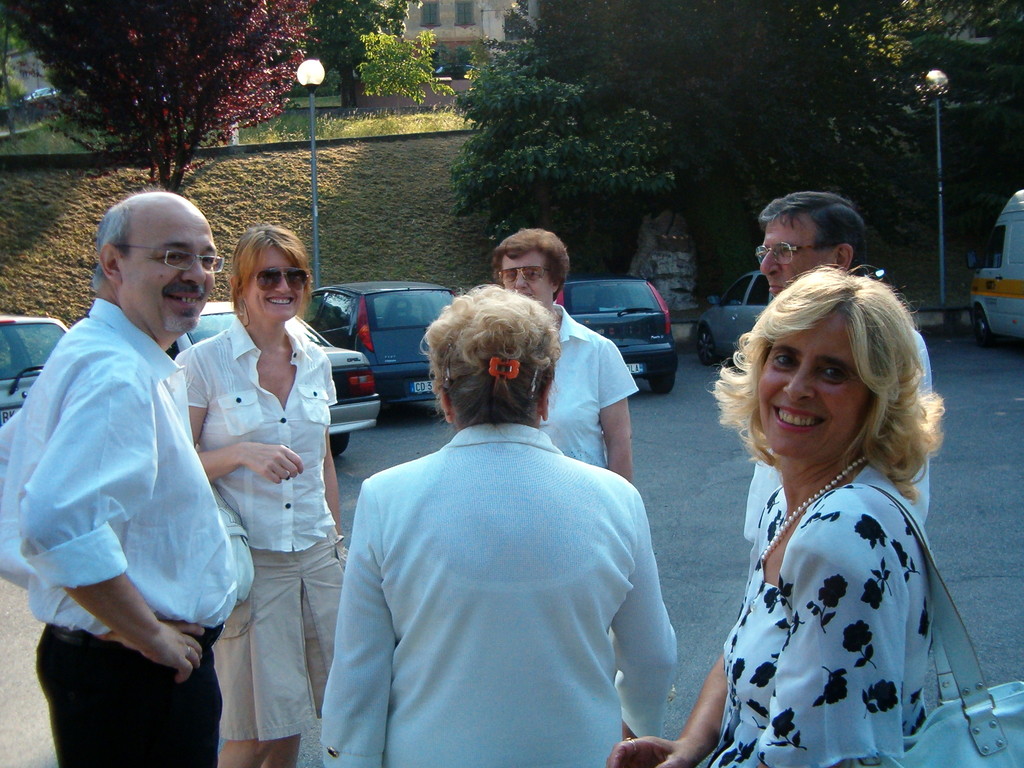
x: 954, y: 654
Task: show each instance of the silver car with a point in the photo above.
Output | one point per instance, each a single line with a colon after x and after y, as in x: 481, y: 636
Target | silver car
x: 25, y: 343
x: 730, y: 316
x: 358, y: 402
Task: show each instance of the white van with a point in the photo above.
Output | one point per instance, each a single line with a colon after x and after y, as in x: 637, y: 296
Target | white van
x: 997, y: 290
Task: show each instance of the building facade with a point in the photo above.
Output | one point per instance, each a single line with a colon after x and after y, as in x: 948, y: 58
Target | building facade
x: 458, y: 23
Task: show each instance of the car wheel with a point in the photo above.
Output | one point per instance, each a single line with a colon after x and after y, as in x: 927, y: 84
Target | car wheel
x: 706, y: 346
x: 662, y: 385
x: 339, y: 443
x: 982, y: 331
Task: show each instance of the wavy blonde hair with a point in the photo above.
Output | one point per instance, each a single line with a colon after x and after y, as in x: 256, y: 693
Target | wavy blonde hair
x: 487, y: 322
x: 902, y: 427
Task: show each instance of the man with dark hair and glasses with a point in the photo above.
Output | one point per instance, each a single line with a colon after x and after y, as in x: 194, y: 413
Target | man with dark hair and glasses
x: 108, y: 516
x: 803, y: 231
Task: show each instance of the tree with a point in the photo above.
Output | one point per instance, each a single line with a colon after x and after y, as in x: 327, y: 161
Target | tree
x: 338, y: 29
x: 751, y: 99
x: 153, y: 81
x: 982, y: 113
x: 397, y: 67
x: 547, y: 155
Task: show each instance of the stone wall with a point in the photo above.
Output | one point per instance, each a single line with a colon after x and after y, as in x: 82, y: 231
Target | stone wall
x: 666, y: 256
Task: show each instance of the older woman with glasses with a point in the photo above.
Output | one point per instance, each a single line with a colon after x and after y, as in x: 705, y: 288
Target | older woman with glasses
x: 259, y: 397
x: 828, y: 657
x: 589, y: 411
x: 501, y: 603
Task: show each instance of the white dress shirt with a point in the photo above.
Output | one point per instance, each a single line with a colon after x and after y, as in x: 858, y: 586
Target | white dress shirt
x: 767, y: 479
x: 481, y: 584
x: 102, y: 479
x: 292, y: 515
x: 590, y: 375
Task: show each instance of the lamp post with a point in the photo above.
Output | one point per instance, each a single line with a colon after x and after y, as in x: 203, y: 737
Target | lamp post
x: 938, y: 84
x: 311, y: 74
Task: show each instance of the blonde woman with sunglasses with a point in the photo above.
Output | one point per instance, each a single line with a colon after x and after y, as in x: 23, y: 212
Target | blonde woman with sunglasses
x: 259, y: 396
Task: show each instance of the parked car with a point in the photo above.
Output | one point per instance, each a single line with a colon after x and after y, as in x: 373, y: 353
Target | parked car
x: 385, y: 320
x: 629, y: 311
x: 358, y: 402
x: 25, y: 344
x: 997, y: 288
x: 730, y: 316
x: 42, y: 93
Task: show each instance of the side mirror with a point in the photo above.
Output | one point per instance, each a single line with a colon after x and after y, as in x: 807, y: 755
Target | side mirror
x: 714, y: 300
x: 973, y: 262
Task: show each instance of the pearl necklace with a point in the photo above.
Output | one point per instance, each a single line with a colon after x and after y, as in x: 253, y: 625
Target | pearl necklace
x: 793, y: 516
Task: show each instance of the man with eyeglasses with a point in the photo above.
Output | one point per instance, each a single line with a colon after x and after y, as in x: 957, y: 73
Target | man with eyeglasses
x: 107, y: 514
x: 803, y: 231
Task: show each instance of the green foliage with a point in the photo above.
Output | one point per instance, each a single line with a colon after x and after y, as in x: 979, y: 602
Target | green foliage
x: 151, y: 82
x: 398, y: 67
x: 982, y: 117
x: 338, y: 29
x: 546, y: 154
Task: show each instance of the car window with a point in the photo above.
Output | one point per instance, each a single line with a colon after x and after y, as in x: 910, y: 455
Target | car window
x: 736, y: 292
x: 331, y: 311
x: 25, y: 345
x: 994, y: 250
x: 406, y: 309
x: 593, y: 297
x: 210, y: 325
x: 758, y: 295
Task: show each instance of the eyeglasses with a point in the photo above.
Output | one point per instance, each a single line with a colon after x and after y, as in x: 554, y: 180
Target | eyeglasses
x: 783, y: 252
x: 508, y: 277
x: 183, y: 260
x: 269, y: 278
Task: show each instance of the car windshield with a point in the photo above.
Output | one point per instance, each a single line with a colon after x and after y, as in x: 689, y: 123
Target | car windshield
x: 594, y: 297
x: 26, y: 345
x: 407, y: 309
x: 210, y: 325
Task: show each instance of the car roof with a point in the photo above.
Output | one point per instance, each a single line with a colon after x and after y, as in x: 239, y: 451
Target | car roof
x: 380, y: 286
x: 588, y: 276
x: 218, y: 308
x: 17, y: 319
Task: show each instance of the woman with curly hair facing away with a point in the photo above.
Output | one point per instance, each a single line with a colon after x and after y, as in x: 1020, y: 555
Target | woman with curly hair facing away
x: 829, y: 654
x: 483, y: 579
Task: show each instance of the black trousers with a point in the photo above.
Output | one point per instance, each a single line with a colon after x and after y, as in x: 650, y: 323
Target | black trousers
x: 112, y: 707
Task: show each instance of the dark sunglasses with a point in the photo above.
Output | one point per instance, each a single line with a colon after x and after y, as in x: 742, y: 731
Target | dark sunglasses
x: 269, y: 278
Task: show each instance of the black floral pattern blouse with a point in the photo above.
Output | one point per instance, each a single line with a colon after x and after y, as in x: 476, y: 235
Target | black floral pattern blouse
x: 829, y: 664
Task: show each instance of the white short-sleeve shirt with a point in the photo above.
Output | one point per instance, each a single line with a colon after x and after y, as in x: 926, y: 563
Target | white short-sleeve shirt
x: 221, y: 372
x: 590, y: 375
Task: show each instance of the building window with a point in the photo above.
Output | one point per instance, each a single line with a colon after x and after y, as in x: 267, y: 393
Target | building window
x: 429, y: 15
x: 464, y: 14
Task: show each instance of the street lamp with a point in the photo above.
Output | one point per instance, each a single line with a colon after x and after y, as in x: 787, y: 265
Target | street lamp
x: 938, y: 84
x: 311, y: 74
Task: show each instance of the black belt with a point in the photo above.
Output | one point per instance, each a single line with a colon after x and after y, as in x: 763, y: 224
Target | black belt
x: 83, y: 639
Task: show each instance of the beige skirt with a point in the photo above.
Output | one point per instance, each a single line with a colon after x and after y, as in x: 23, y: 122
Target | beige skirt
x: 273, y: 658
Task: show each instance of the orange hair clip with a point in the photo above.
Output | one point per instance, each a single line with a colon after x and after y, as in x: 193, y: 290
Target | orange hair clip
x: 501, y: 368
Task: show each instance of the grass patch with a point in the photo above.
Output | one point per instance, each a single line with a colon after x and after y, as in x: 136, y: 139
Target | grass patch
x: 385, y: 213
x: 293, y: 125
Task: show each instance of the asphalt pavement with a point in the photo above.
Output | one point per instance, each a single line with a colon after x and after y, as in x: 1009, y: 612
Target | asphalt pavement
x: 693, y: 476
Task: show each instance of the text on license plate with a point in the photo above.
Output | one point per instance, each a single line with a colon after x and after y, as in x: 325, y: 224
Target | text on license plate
x: 419, y: 387
x: 635, y: 367
x: 7, y: 414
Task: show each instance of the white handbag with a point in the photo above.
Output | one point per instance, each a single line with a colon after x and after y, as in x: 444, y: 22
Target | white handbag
x: 974, y: 726
x: 241, y: 557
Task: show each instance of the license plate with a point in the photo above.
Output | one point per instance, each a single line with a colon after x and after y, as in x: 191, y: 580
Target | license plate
x: 419, y: 387
x: 635, y: 368
x: 7, y: 414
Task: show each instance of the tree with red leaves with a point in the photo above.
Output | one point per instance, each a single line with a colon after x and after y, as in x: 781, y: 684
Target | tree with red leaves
x: 151, y: 81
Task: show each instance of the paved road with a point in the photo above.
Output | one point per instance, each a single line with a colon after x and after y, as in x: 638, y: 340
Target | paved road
x: 693, y: 477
